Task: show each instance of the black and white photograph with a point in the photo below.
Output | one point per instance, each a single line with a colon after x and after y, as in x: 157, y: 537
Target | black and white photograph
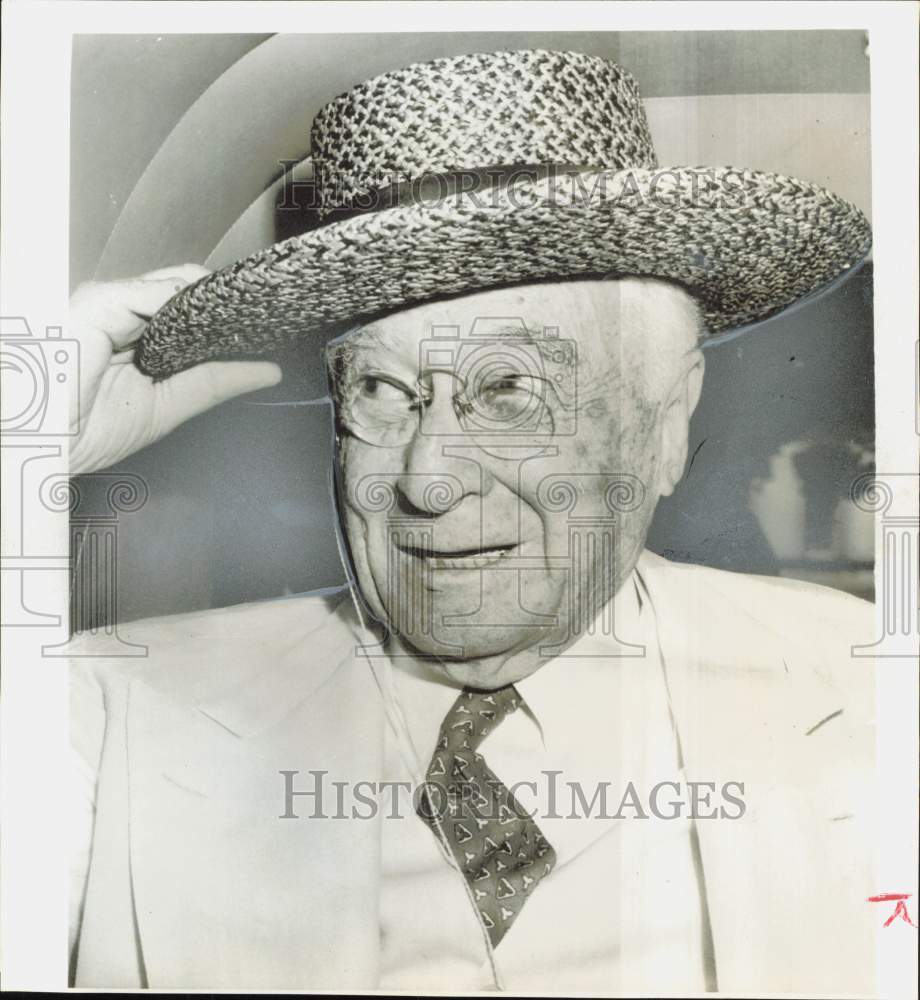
x: 460, y: 500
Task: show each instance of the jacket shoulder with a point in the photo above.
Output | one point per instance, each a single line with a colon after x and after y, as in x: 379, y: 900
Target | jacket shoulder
x: 237, y: 619
x: 195, y: 656
x: 775, y: 599
x: 187, y: 651
x: 770, y: 623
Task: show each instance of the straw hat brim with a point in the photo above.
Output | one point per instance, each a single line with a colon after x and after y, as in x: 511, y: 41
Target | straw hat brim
x: 746, y: 244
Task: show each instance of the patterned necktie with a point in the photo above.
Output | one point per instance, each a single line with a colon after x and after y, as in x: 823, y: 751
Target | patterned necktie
x: 497, y: 845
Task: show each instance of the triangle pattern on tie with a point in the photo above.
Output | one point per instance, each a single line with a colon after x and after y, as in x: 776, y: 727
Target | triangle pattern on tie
x: 499, y: 848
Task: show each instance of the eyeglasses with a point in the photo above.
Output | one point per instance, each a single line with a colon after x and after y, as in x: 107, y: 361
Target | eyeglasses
x: 383, y: 410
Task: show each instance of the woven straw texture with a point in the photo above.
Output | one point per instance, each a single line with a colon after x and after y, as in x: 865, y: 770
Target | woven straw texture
x: 746, y: 243
x: 478, y: 111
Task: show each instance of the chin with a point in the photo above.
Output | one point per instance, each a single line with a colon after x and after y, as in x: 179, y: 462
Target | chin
x: 463, y: 643
x: 486, y: 672
x: 482, y: 657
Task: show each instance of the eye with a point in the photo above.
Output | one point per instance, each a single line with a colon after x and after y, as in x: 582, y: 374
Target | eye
x: 374, y: 388
x: 506, y: 382
x: 510, y: 386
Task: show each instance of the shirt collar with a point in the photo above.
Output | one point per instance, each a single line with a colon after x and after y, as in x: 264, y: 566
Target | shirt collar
x: 553, y: 694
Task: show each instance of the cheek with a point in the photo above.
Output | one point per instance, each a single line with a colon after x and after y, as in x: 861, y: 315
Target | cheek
x: 606, y: 470
x: 368, y: 493
x: 633, y: 436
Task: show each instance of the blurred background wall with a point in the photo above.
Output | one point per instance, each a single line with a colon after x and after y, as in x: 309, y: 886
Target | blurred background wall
x: 181, y: 146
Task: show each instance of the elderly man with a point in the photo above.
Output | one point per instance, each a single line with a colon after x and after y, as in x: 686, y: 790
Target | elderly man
x: 517, y: 751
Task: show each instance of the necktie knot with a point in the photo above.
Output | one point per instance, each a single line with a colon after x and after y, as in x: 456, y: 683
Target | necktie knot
x: 474, y: 715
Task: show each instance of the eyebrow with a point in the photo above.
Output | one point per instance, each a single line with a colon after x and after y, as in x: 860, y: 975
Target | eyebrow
x: 520, y: 330
x: 352, y: 343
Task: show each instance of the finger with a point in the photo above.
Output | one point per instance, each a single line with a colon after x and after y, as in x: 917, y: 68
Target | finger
x: 200, y: 388
x: 187, y: 272
x: 124, y: 357
x: 144, y: 296
x: 119, y: 308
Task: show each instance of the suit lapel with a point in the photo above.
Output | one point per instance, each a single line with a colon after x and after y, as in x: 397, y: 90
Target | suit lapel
x: 266, y: 902
x: 782, y: 882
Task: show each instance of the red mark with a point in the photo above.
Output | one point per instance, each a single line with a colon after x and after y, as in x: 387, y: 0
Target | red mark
x: 899, y: 911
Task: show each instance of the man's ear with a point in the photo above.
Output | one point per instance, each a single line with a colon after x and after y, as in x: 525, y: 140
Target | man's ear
x: 675, y: 423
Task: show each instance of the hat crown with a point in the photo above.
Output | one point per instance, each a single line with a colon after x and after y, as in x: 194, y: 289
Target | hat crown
x: 474, y: 113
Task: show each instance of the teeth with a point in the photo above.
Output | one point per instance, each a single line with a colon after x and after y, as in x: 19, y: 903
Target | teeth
x: 484, y: 558
x: 481, y: 559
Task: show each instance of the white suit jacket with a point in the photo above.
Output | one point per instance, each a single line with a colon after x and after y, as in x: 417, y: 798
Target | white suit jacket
x: 194, y: 882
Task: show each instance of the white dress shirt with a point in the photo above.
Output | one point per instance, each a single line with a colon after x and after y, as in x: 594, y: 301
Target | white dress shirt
x: 623, y: 909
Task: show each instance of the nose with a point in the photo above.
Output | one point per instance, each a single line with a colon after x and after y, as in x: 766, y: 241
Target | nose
x: 441, y: 464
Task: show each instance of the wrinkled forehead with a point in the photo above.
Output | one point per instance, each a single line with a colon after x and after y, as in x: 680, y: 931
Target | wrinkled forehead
x: 605, y: 320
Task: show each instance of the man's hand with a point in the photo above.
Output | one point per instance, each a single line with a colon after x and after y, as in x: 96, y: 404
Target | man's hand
x: 120, y: 409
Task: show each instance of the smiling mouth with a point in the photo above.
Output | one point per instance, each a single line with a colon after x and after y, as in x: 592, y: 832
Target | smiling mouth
x: 473, y: 558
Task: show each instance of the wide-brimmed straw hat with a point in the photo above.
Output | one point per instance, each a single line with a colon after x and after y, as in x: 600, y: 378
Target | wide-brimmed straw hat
x: 505, y: 168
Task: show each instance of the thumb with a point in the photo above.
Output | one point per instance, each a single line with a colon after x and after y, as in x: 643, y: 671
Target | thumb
x: 191, y: 392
